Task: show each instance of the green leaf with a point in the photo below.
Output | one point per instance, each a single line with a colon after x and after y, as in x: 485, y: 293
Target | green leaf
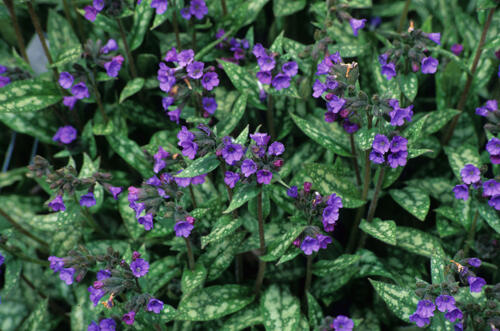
x: 280, y: 309
x: 364, y: 137
x: 129, y: 220
x: 219, y: 255
x: 161, y: 272
x: 418, y: 242
x: 200, y: 166
x: 9, y: 177
x: 242, y: 194
x: 382, y: 230
x: 12, y: 277
x: 28, y: 95
x: 69, y: 54
x: 413, y: 200
x: 314, y: 312
x: 191, y: 280
x: 387, y: 88
x: 133, y: 86
x: 437, y: 119
x: 437, y: 270
x: 142, y: 16
x: 409, y: 85
x: 357, y: 3
x: 89, y: 168
x: 325, y: 268
x: 243, y: 80
x: 214, y: 302
x: 485, y: 4
x: 41, y: 125
x: 131, y: 153
x: 60, y: 33
x: 323, y: 133
x: 246, y: 13
x: 490, y: 215
x: 287, y: 7
x: 349, y: 49
x: 279, y: 246
x: 224, y: 226
x: 229, y: 122
x: 414, y: 130
x: 39, y: 318
x: 401, y: 301
x: 245, y: 318
x: 460, y: 156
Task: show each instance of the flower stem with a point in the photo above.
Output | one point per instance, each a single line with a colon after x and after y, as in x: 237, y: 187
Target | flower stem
x: 67, y: 13
x: 39, y: 31
x: 23, y: 256
x: 22, y: 230
x: 404, y: 15
x: 308, y: 274
x: 193, y: 35
x: 191, y: 192
x: 355, y: 160
x: 19, y: 36
x: 98, y: 98
x: 470, y: 78
x: 133, y: 71
x: 472, y: 232
x: 224, y: 7
x: 176, y: 28
x: 79, y: 23
x: 262, y: 249
x: 270, y: 117
x: 189, y: 253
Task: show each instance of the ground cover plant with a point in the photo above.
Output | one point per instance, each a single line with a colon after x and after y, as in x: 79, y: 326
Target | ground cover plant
x: 249, y: 165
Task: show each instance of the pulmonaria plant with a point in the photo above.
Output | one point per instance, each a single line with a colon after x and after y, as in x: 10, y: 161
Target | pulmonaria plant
x: 313, y: 206
x: 112, y: 8
x: 394, y: 152
x: 273, y: 70
x: 188, y: 82
x: 196, y: 8
x: 240, y: 48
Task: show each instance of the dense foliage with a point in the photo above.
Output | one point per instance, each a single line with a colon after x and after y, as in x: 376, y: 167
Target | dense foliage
x: 237, y: 164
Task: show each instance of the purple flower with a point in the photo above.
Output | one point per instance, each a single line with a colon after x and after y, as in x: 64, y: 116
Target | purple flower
x: 183, y: 229
x: 334, y: 201
x: 476, y: 283
x: 232, y: 153
x: 266, y: 63
x: 248, y: 167
x: 474, y: 262
x: 129, y: 317
x: 155, y: 305
x: 265, y: 77
x: 87, y: 200
x: 66, y: 275
x: 453, y: 315
x: 459, y: 327
x: 70, y: 101
x: 65, y: 79
x: 147, y: 221
x: 293, y: 192
x: 259, y: 51
x: 160, y: 5
x: 139, y: 267
x: 209, y: 105
x: 276, y: 148
x: 159, y: 162
x: 435, y: 37
x: 110, y: 46
x: 264, y: 176
x: 445, y: 303
x: 419, y: 320
x: 323, y: 241
x: 388, y: 70
x: 330, y: 217
x: 457, y: 49
x: 461, y: 192
x: 429, y: 65
x: 174, y: 115
x: 90, y: 13
x: 167, y: 102
x: 197, y: 180
x: 376, y: 157
x: 4, y: 80
x: 210, y: 80
x: 281, y: 81
x: 113, y: 67
x: 93, y: 327
x: 171, y: 55
x: 103, y: 274
x: 261, y: 139
x: 98, y: 4
x: 56, y: 263
x: 495, y: 202
x: 491, y: 187
x: 2, y: 259
x: 399, y: 115
x: 185, y: 57
x: 195, y: 69
x: 95, y: 294
x: 398, y: 144
x: 493, y: 146
x: 350, y: 127
x: 189, y: 149
x: 309, y: 245
x: 231, y: 178
x: 65, y: 134
x: 318, y: 88
x: 381, y: 144
x: 335, y: 104
x: 397, y: 159
x: 470, y: 174
x: 356, y: 25
x: 198, y: 8
x: 342, y: 323
x: 107, y: 324
x: 425, y: 308
x: 290, y: 68
x: 80, y: 91
x: 185, y: 13
x: 57, y: 204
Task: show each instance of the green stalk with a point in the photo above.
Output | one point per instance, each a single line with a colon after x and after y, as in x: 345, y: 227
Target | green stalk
x: 195, y: 205
x: 355, y: 160
x: 133, y: 71
x: 190, y: 254
x: 270, y: 117
x: 19, y: 36
x: 470, y: 237
x: 470, y: 78
x: 176, y: 27
x: 224, y: 7
x: 404, y: 15
x: 308, y: 274
x: 23, y: 256
x: 98, y: 97
x: 22, y: 230
x: 262, y: 249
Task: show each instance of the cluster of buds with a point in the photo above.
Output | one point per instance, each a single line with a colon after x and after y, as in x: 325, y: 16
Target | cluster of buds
x: 8, y: 75
x: 111, y: 8
x: 339, y: 323
x: 396, y: 150
x: 77, y: 262
x: 196, y: 8
x: 187, y: 80
x: 492, y: 115
x: 239, y: 47
x: 197, y: 142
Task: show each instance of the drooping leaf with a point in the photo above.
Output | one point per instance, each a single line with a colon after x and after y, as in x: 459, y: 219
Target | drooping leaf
x: 39, y: 319
x: 418, y: 242
x: 69, y: 54
x: 228, y: 123
x: 242, y: 194
x: 142, y: 17
x: 412, y: 199
x: 28, y: 95
x: 219, y: 255
x: 382, y: 230
x: 224, y: 226
x: 133, y: 86
x: 280, y: 309
x: 200, y: 166
x: 314, y: 312
x: 279, y: 246
x: 490, y: 215
x: 131, y: 153
x: 285, y: 8
x: 409, y: 85
x: 245, y: 318
x: 243, y: 80
x: 161, y: 272
x: 324, y: 268
x: 192, y: 279
x: 401, y: 301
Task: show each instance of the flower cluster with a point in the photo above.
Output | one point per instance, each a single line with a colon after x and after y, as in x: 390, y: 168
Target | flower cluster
x: 399, y: 115
x: 238, y: 47
x: 397, y: 148
x: 445, y: 303
x: 471, y: 176
x: 490, y: 106
x: 199, y: 142
x: 493, y: 148
x: 267, y: 64
x: 79, y: 91
x: 339, y: 323
x: 197, y: 8
x: 4, y: 79
x: 65, y: 135
x: 66, y: 274
x: 260, y: 162
x: 110, y: 7
x: 189, y: 79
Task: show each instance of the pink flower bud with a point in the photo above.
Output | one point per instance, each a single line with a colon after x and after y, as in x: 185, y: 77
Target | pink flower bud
x: 307, y: 187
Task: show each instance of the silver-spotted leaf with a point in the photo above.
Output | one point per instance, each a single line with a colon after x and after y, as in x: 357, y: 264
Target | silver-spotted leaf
x: 382, y: 230
x: 401, y: 301
x: 280, y: 309
x: 200, y: 166
x: 414, y: 200
x: 133, y: 86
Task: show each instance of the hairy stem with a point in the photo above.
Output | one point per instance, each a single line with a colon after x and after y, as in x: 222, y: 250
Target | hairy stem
x: 224, y: 7
x: 98, y: 98
x: 23, y: 256
x: 470, y: 237
x: 22, y: 230
x: 308, y: 274
x: 193, y: 198
x: 470, y: 78
x: 19, y: 36
x: 133, y: 71
x: 176, y: 28
x: 404, y: 15
x: 262, y: 249
x: 79, y: 22
x: 270, y: 117
x: 67, y: 13
x: 373, y: 204
x: 190, y: 254
x: 355, y: 159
